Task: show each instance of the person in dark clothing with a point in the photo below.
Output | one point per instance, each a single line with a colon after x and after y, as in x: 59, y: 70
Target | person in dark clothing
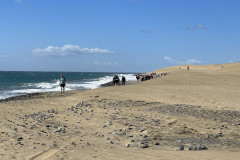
x: 138, y: 77
x: 62, y: 83
x: 115, y: 80
x: 123, y: 80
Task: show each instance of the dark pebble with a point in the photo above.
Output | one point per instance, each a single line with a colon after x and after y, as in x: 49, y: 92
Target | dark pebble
x: 181, y: 148
x: 157, y: 143
x: 144, y: 146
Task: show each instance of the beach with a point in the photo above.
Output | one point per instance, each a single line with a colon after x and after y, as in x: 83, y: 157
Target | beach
x: 187, y: 114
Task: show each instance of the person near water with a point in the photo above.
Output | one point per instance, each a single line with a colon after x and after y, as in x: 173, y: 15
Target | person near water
x: 115, y: 80
x: 123, y: 80
x: 138, y: 77
x: 62, y: 83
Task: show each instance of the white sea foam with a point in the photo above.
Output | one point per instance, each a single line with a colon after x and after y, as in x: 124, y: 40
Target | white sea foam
x: 29, y: 88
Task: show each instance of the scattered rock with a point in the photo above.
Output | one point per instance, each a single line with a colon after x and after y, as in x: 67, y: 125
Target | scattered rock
x: 73, y: 143
x: 157, y: 143
x: 181, y: 148
x: 144, y: 146
x: 19, y: 139
x: 127, y: 145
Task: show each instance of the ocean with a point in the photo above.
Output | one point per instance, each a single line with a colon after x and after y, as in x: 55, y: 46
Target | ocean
x: 16, y: 83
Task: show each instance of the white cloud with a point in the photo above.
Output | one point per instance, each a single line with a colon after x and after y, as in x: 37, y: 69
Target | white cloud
x: 189, y: 61
x: 199, y: 26
x: 68, y: 50
x: 169, y: 59
x: 105, y: 63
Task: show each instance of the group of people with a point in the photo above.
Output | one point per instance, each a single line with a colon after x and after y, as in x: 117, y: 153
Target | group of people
x: 116, y: 80
x: 144, y: 77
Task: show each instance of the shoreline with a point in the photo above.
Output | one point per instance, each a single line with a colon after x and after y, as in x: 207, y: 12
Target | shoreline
x: 54, y: 93
x: 31, y: 83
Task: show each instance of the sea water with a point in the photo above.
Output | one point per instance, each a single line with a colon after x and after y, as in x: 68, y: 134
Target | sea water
x: 20, y: 83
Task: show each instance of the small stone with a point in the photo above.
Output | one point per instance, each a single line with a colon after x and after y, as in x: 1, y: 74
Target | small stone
x: 154, y: 138
x: 127, y: 145
x: 181, y: 148
x: 19, y: 139
x: 144, y: 146
x: 33, y: 147
x: 157, y: 143
x: 204, y: 148
x: 54, y: 145
x: 103, y: 106
x: 199, y: 148
x: 179, y: 141
x: 143, y: 142
x: 191, y: 148
x: 73, y: 143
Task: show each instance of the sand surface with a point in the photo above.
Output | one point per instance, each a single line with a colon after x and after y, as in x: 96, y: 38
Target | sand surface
x: 196, y: 109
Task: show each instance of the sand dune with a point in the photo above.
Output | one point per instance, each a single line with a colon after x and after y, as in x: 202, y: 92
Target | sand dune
x: 196, y: 109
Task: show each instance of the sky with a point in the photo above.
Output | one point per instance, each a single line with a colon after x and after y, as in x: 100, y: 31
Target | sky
x: 117, y: 35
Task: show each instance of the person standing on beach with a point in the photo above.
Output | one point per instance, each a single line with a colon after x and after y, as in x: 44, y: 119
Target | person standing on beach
x: 62, y: 83
x: 123, y: 80
x: 138, y: 77
x: 115, y: 80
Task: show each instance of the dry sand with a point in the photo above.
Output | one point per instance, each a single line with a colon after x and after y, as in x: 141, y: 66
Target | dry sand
x: 197, y: 109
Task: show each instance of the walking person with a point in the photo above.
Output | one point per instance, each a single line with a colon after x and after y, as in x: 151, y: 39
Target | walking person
x: 62, y: 83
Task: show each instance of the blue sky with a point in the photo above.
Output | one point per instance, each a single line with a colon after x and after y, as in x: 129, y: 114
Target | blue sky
x: 117, y: 35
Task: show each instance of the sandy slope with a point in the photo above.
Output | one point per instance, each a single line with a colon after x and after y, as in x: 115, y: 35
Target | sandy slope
x: 199, y: 107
